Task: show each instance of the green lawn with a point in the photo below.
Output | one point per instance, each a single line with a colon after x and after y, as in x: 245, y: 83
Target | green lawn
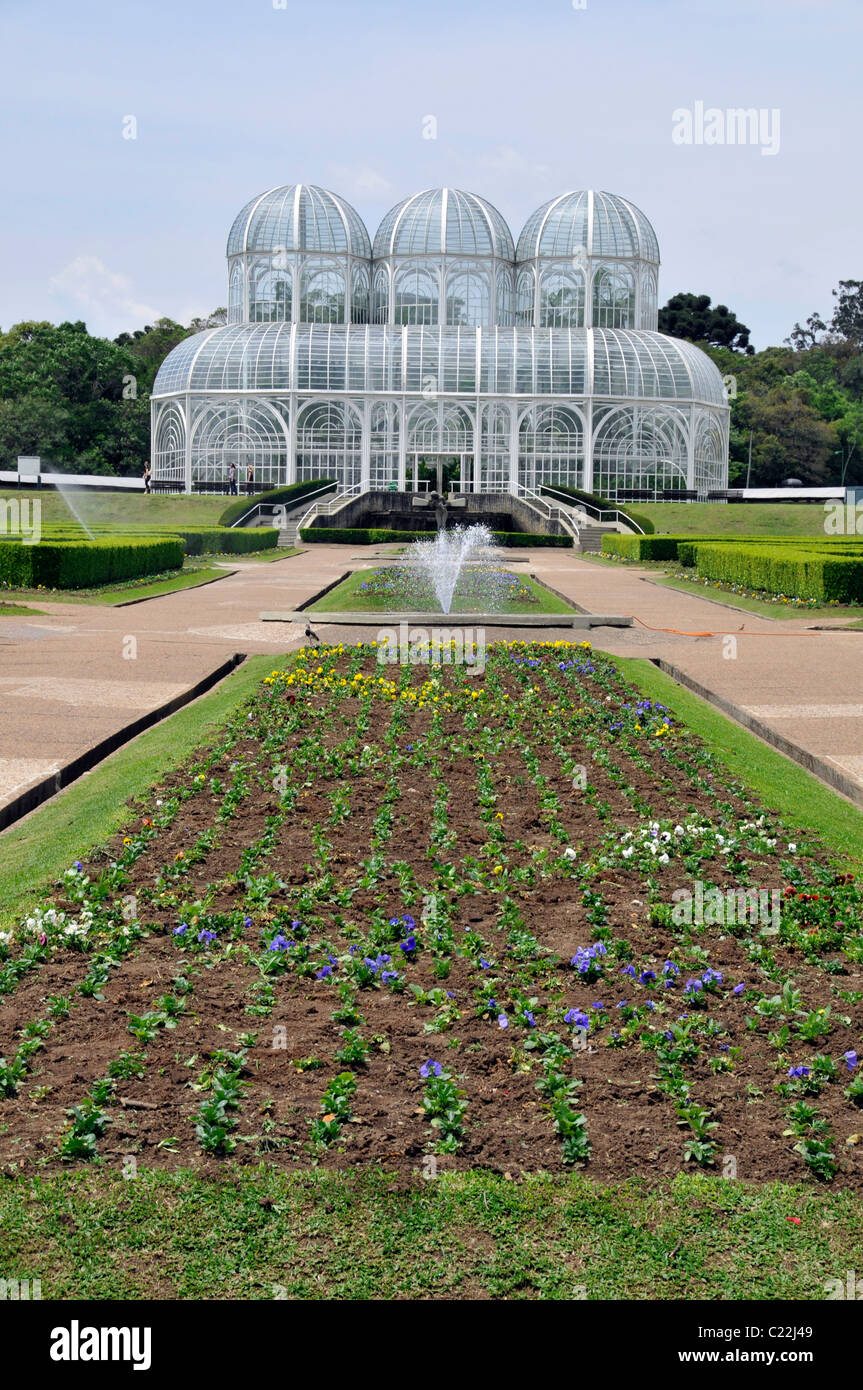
x: 744, y: 519
x: 121, y: 510
x: 350, y: 1235
x: 350, y: 597
x: 763, y: 607
x: 18, y: 610
x: 198, y: 571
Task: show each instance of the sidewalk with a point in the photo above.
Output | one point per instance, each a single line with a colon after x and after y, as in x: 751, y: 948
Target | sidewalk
x: 80, y: 673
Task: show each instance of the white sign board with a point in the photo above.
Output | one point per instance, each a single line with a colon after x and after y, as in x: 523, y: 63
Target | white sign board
x: 28, y: 467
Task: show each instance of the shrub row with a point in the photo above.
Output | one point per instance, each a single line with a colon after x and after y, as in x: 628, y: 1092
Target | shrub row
x: 217, y: 541
x: 293, y: 493
x: 82, y: 564
x: 641, y: 547
x: 682, y: 547
x: 576, y: 495
x: 374, y: 535
x: 784, y: 570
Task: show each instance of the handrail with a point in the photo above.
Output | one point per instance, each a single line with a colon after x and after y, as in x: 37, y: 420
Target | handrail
x: 328, y: 508
x: 552, y: 513
x: 329, y: 487
x: 599, y: 513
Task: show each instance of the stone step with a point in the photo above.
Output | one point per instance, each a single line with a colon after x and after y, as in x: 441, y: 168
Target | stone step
x: 590, y: 538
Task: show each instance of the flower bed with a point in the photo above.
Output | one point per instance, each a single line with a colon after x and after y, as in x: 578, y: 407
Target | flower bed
x: 425, y: 917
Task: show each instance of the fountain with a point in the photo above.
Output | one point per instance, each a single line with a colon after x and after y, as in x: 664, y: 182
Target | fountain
x: 442, y: 561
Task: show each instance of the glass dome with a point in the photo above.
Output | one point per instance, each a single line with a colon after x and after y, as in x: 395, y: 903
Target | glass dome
x: 444, y: 256
x: 444, y: 221
x: 604, y: 363
x: 597, y: 224
x: 299, y: 254
x: 299, y: 217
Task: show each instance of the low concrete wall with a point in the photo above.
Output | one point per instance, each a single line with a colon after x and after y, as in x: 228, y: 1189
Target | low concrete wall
x: 395, y: 510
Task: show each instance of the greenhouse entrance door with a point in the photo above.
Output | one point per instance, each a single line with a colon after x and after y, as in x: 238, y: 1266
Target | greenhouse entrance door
x: 440, y: 473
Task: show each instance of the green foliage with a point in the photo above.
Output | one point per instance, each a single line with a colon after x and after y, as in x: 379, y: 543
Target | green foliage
x: 641, y: 547
x: 692, y: 316
x: 213, y: 540
x: 286, y: 495
x: 784, y: 569
x: 83, y: 564
x: 373, y: 535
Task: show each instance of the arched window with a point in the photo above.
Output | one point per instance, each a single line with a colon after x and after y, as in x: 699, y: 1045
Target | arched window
x: 613, y: 298
x: 505, y: 298
x: 269, y: 292
x: 551, y: 447
x: 236, y: 307
x: 323, y: 294
x: 524, y: 294
x: 329, y: 443
x: 561, y: 298
x: 417, y: 295
x: 360, y: 295
x: 169, y: 449
x: 640, y: 447
x: 468, y: 297
x: 241, y: 433
x: 381, y: 306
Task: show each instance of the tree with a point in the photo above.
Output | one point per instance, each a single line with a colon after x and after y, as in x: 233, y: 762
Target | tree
x: 692, y: 316
x: 801, y: 338
x: 848, y: 315
x: 789, y: 438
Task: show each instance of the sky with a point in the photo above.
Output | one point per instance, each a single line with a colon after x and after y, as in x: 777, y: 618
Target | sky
x: 226, y: 98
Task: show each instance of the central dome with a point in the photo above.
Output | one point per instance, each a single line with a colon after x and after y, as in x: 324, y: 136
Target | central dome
x: 444, y: 221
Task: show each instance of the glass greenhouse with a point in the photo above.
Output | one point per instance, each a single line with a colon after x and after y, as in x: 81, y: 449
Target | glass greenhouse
x: 528, y: 364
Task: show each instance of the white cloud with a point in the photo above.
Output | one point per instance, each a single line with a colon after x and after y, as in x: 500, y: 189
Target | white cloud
x: 508, y: 162
x: 105, y: 296
x: 359, y: 182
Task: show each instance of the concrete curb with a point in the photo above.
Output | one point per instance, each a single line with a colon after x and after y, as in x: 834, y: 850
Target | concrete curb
x: 42, y: 791
x: 448, y: 620
x: 836, y: 780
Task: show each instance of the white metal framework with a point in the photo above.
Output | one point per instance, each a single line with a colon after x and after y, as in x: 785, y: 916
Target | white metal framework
x: 530, y: 366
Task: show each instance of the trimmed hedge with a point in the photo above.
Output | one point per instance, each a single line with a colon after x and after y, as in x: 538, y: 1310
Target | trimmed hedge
x: 215, y: 541
x: 373, y: 535
x: 682, y: 548
x: 84, y: 564
x: 784, y: 570
x: 293, y: 493
x: 640, y: 547
x: 602, y: 503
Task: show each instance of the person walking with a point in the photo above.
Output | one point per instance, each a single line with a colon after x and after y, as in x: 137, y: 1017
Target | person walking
x: 232, y: 481
x: 250, y: 479
x: 147, y: 476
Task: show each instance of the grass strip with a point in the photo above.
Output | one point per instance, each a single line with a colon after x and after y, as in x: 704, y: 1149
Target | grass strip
x: 369, y: 1235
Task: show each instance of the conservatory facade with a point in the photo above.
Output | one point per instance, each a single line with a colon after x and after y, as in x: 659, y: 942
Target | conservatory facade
x: 442, y: 340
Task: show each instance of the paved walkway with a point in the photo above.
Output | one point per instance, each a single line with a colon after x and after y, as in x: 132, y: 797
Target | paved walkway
x: 80, y: 673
